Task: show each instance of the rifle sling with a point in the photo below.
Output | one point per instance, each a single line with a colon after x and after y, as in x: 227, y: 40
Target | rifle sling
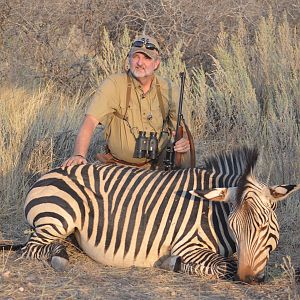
x: 128, y: 96
x: 192, y: 145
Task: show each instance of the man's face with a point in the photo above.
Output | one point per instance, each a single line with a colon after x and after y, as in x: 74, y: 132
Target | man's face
x: 142, y: 65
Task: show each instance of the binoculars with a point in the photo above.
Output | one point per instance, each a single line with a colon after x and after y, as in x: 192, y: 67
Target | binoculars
x: 146, y: 146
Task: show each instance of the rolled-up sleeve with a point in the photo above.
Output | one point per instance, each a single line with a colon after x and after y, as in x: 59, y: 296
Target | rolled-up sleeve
x: 103, y: 103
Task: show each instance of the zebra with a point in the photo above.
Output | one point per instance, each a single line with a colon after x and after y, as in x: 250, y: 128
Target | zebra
x: 216, y: 220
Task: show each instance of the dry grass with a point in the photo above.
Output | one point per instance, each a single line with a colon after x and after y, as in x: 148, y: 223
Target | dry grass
x: 251, y: 97
x: 85, y: 279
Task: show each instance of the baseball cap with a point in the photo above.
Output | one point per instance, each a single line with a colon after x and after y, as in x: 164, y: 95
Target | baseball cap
x: 147, y: 45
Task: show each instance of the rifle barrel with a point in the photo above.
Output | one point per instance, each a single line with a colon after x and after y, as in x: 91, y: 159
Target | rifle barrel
x: 179, y: 115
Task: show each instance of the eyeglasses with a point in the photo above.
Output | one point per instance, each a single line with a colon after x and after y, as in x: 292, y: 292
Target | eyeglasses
x: 143, y: 42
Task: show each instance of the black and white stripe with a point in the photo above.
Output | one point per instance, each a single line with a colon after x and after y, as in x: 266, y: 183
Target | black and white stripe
x: 126, y: 216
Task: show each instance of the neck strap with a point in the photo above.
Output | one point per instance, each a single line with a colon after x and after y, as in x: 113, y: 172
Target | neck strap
x: 128, y: 97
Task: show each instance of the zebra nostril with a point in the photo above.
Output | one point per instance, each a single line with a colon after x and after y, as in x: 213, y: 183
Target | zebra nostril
x: 255, y: 279
x: 249, y: 279
x: 260, y: 278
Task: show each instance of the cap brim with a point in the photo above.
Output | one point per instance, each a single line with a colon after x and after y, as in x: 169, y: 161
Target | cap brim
x: 151, y: 53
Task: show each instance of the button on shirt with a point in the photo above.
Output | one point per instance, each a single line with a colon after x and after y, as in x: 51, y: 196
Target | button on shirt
x: 143, y: 113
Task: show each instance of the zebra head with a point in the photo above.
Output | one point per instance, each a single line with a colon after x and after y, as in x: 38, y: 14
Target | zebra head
x: 254, y: 224
x: 252, y: 220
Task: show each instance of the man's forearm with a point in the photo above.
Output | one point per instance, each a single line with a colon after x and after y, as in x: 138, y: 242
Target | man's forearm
x: 82, y: 143
x: 84, y: 136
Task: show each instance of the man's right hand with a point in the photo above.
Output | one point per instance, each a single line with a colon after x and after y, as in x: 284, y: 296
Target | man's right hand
x: 74, y: 160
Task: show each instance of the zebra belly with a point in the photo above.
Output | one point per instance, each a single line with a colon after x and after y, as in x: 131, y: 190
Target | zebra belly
x: 118, y: 259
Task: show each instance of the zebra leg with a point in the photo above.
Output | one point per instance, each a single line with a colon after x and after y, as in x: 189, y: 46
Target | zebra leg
x: 41, y: 246
x: 209, y: 264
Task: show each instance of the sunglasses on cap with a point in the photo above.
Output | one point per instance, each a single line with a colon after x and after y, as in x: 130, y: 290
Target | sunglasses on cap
x: 143, y: 42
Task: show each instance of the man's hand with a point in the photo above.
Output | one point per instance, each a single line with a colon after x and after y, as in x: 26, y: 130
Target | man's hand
x: 74, y: 160
x: 182, y: 146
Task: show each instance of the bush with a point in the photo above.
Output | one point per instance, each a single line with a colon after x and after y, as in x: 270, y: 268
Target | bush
x: 57, y: 40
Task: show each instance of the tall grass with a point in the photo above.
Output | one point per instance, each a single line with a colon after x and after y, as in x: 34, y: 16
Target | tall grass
x: 251, y: 97
x: 37, y: 130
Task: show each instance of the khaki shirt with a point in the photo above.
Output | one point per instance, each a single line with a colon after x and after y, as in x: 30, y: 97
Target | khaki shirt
x: 143, y: 113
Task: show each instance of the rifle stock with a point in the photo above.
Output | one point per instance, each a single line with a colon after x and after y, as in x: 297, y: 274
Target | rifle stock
x: 178, y: 155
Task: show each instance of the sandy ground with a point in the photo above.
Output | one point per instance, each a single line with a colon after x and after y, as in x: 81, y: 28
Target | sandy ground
x: 86, y: 279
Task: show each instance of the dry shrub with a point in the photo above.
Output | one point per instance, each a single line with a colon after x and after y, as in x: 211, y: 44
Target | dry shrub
x: 57, y: 40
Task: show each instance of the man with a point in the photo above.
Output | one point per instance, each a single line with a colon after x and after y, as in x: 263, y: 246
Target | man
x: 128, y: 103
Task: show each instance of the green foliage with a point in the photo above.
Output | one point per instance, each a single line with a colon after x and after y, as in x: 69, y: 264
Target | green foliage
x: 173, y: 65
x: 110, y: 58
x: 253, y: 92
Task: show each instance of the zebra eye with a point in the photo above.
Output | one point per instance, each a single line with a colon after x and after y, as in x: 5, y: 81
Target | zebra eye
x: 263, y: 227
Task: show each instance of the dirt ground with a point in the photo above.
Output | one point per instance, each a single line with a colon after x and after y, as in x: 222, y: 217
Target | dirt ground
x: 86, y: 279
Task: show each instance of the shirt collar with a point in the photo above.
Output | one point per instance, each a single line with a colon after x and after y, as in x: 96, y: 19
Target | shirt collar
x: 138, y: 85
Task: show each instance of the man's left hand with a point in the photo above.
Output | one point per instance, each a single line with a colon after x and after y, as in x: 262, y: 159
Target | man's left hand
x: 182, y: 146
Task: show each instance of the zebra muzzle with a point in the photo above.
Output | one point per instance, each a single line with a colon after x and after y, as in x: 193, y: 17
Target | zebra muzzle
x: 251, y: 279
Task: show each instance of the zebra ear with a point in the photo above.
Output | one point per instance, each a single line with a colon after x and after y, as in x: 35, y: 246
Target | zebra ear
x: 217, y: 194
x: 280, y: 192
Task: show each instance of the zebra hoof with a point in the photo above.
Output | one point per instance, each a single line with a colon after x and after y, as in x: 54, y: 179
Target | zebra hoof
x: 59, y: 263
x: 171, y: 263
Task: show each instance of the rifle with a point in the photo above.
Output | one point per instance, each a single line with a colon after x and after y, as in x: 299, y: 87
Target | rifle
x: 173, y: 159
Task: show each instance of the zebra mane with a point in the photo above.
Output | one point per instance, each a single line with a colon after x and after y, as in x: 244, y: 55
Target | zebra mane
x: 235, y: 165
